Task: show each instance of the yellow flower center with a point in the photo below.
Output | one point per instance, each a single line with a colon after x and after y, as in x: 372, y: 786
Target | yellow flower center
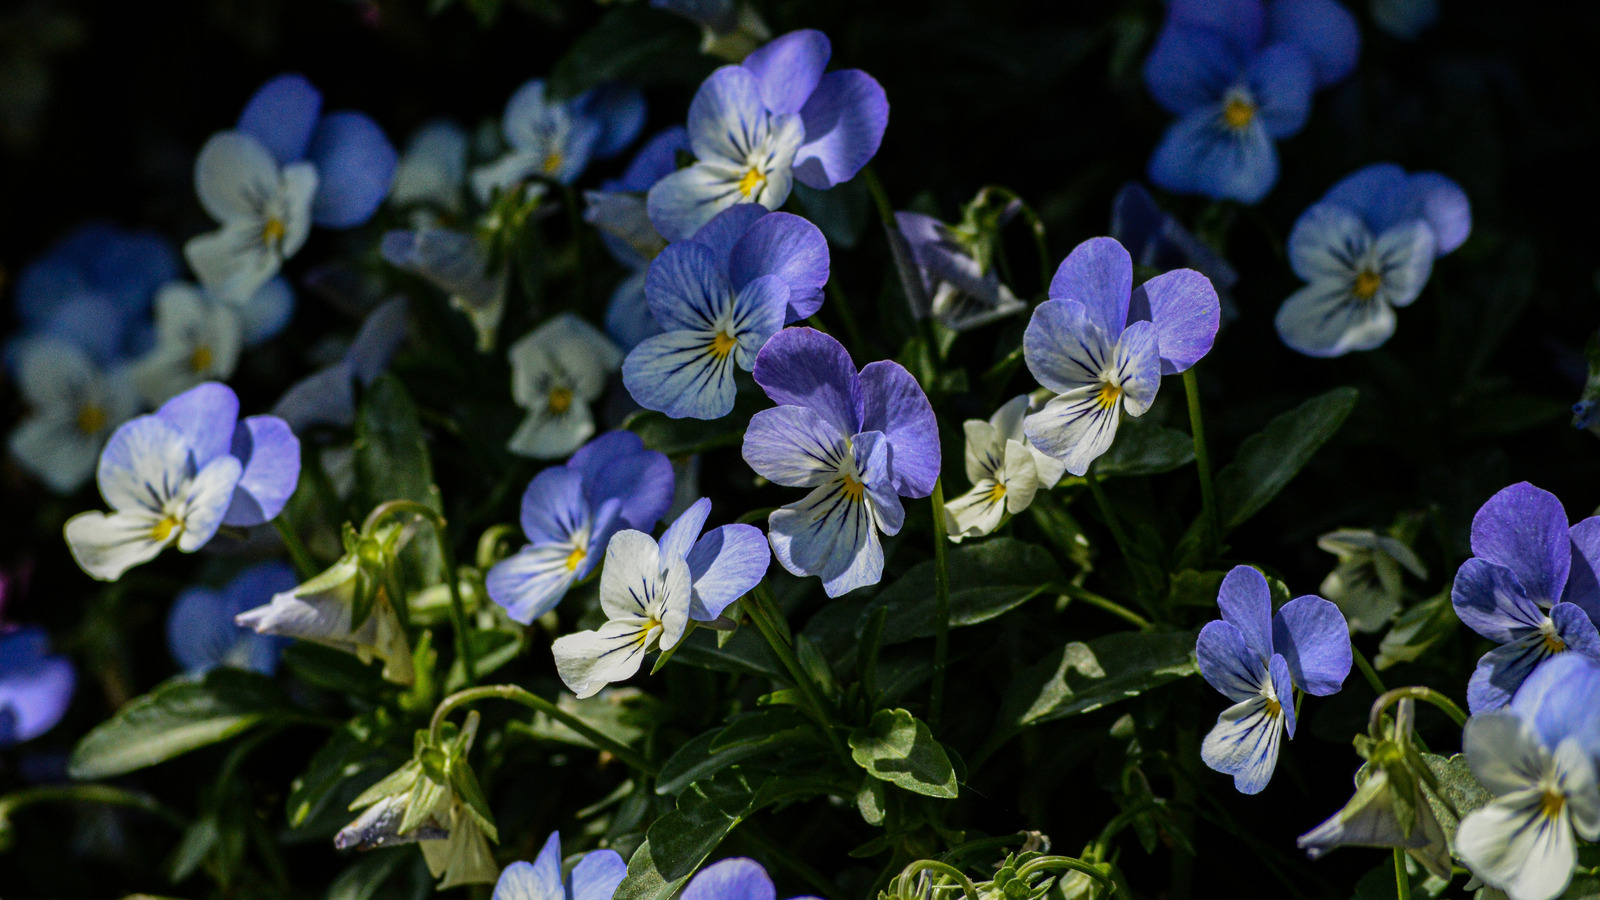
x: 575, y: 559
x: 164, y: 528
x: 201, y: 359
x: 273, y: 231
x: 853, y: 489
x: 552, y: 162
x: 91, y: 419
x: 722, y: 345
x: 1367, y: 284
x: 997, y: 493
x: 1108, y: 394
x: 1551, y: 803
x: 1238, y: 113
x: 752, y: 179
x: 1274, y: 708
x: 560, y: 401
x: 1553, y: 643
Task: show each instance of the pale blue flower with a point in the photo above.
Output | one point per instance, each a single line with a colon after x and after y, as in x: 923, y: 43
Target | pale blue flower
x: 556, y: 139
x: 202, y: 633
x: 595, y: 877
x: 736, y: 878
x: 74, y: 407
x: 35, y: 686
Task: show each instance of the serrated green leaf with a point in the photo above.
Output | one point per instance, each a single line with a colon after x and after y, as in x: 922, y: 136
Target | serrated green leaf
x: 1269, y: 459
x: 897, y: 747
x: 175, y: 718
x: 987, y: 579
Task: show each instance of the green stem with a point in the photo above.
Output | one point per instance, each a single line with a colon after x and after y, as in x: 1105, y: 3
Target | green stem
x: 106, y: 794
x: 1110, y: 606
x: 1425, y: 694
x: 840, y: 305
x: 1035, y: 226
x: 1114, y: 524
x: 533, y: 701
x: 304, y: 562
x: 941, y: 597
x: 1047, y: 863
x: 1367, y: 671
x: 945, y: 869
x: 1202, y: 461
x: 761, y: 608
x: 880, y: 197
x: 1402, y: 881
x: 452, y: 573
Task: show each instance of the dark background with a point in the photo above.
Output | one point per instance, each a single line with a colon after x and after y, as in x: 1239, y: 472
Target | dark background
x: 1044, y: 98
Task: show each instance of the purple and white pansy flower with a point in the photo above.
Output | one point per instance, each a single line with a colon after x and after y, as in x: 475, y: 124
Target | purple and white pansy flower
x: 736, y: 878
x: 1530, y: 586
x: 35, y: 685
x: 179, y: 474
x: 859, y: 441
x: 1102, y: 346
x: 757, y: 127
x: 719, y: 297
x: 569, y: 514
x: 650, y: 592
x: 1257, y: 660
x: 595, y: 877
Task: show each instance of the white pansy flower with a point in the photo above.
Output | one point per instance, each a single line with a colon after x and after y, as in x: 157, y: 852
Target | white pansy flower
x: 433, y: 168
x: 75, y: 407
x: 646, y: 597
x: 197, y: 340
x: 1005, y: 471
x: 1366, y: 584
x: 557, y: 370
x: 264, y: 211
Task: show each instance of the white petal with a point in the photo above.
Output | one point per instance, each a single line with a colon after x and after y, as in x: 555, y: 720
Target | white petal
x: 1325, y: 319
x: 1327, y: 243
x: 673, y: 601
x: 105, y: 546
x: 1404, y: 257
x: 1075, y: 428
x: 590, y: 660
x: 206, y: 501
x: 1505, y: 753
x: 1513, y: 845
x: 546, y: 436
x: 233, y: 262
x: 630, y: 584
x: 976, y: 513
x: 144, y: 465
x: 1020, y: 478
x: 1244, y: 744
x: 233, y: 175
x: 56, y: 451
x: 985, y: 450
x: 299, y: 187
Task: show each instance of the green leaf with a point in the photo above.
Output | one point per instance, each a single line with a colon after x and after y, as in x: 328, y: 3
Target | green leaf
x: 1458, y: 787
x: 633, y: 43
x: 1266, y: 461
x: 678, y: 438
x: 644, y: 880
x: 178, y: 716
x: 625, y: 715
x: 745, y: 653
x: 391, y: 453
x: 766, y: 731
x: 1082, y: 677
x: 766, y: 726
x: 336, y: 671
x: 1145, y: 448
x: 344, y: 767
x: 897, y: 747
x: 986, y: 579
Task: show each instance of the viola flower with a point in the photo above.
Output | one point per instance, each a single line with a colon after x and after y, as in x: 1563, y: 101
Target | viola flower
x: 736, y: 878
x: 1365, y: 248
x: 964, y: 293
x: 92, y: 290
x: 75, y: 405
x: 556, y: 139
x: 1538, y: 759
x: 202, y: 633
x: 557, y: 370
x: 347, y: 606
x: 35, y: 687
x: 570, y: 512
x: 595, y: 876
x: 651, y: 591
x: 457, y: 264
x: 1366, y: 583
x: 756, y: 127
x: 285, y: 166
x: 1257, y: 660
x: 1103, y: 346
x: 719, y: 297
x: 1530, y: 586
x: 327, y: 396
x: 1157, y: 240
x: 1005, y: 471
x: 1240, y: 76
x: 196, y: 341
x: 176, y: 476
x: 860, y: 441
x: 617, y: 211
x: 433, y: 168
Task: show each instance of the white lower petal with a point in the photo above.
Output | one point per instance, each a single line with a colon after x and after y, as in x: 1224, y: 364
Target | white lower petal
x: 1512, y: 844
x: 977, y: 512
x: 106, y: 545
x: 206, y: 501
x: 1244, y: 744
x: 829, y: 535
x: 545, y: 436
x: 233, y: 262
x: 1325, y: 319
x: 1075, y: 428
x: 590, y: 660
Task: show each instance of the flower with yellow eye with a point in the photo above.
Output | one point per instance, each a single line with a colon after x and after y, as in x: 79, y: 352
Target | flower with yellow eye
x: 557, y: 370
x: 75, y: 405
x: 197, y: 340
x: 555, y: 139
x: 1005, y: 470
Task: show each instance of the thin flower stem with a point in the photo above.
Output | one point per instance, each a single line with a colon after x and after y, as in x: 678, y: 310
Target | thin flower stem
x: 1202, y: 461
x: 761, y: 608
x: 452, y: 573
x: 1047, y: 863
x: 304, y: 562
x: 1036, y: 227
x: 880, y: 197
x: 105, y: 794
x: 944, y: 869
x: 941, y: 597
x: 1110, y: 606
x: 840, y: 305
x: 533, y: 701
x: 1124, y: 545
x: 1367, y: 671
x: 1402, y: 881
x: 1417, y: 692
